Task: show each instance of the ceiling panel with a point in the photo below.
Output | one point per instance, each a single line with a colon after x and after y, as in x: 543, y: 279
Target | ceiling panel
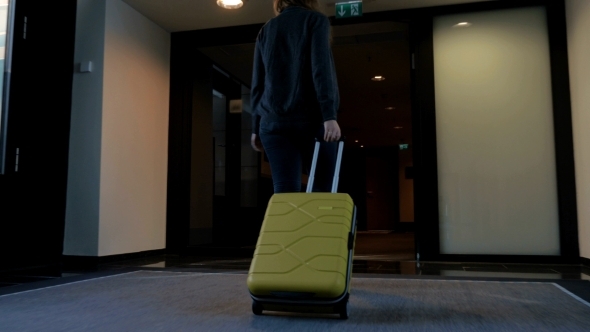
x: 361, y: 51
x: 185, y: 15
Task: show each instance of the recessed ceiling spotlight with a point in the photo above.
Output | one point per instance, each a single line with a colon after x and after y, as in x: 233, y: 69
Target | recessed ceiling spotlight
x: 362, y: 146
x: 398, y: 127
x: 390, y: 108
x: 356, y: 141
x: 230, y: 4
x: 378, y: 78
x: 462, y: 25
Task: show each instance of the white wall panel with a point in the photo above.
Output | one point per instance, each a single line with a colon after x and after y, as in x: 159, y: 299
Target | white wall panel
x: 117, y: 180
x: 82, y: 207
x: 134, y: 160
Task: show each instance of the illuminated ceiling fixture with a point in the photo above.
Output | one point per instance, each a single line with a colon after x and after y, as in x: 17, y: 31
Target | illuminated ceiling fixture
x: 398, y: 127
x: 356, y: 141
x: 462, y: 25
x: 390, y: 108
x: 378, y: 78
x: 230, y: 4
x: 362, y: 146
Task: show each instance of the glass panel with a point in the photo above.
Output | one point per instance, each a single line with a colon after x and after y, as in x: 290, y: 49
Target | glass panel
x: 496, y: 152
x: 406, y: 186
x: 249, y: 157
x: 219, y: 120
x: 3, y: 28
x: 4, y: 74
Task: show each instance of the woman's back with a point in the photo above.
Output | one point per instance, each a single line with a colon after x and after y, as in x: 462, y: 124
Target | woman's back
x: 294, y: 76
x: 295, y: 93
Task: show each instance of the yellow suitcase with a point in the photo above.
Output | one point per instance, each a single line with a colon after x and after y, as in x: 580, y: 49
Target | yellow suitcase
x: 303, y: 258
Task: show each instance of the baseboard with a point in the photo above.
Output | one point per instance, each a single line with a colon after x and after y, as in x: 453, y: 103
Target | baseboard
x: 212, y: 251
x: 12, y: 269
x: 509, y: 259
x: 28, y: 261
x: 92, y: 262
x: 585, y: 261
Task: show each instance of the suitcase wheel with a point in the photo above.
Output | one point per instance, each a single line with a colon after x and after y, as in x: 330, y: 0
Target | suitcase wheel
x: 256, y: 308
x: 343, y: 310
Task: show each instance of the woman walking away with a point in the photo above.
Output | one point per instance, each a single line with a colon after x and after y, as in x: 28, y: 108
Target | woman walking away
x: 295, y: 95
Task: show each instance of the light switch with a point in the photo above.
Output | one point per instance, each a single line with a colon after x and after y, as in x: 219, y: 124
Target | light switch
x: 86, y: 67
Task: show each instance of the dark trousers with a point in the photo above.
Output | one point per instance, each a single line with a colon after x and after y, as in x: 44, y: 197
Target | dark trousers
x: 289, y: 148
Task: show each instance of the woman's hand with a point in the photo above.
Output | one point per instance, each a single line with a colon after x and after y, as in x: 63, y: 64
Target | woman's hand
x: 256, y: 143
x: 331, y: 131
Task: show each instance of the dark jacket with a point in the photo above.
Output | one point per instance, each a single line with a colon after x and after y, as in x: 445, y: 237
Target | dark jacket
x: 294, y: 76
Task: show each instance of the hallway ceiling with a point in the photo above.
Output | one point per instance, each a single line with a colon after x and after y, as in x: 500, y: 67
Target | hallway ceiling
x: 185, y: 15
x: 361, y: 51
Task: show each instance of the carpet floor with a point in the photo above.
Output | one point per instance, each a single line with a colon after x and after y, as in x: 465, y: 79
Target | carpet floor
x: 171, y: 301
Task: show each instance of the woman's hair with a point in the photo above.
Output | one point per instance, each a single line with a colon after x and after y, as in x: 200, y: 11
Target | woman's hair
x: 280, y: 5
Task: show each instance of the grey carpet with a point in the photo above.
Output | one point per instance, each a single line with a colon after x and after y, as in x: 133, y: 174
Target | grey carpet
x: 169, y: 301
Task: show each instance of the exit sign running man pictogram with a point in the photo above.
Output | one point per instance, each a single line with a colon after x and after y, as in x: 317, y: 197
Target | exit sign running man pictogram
x: 349, y: 9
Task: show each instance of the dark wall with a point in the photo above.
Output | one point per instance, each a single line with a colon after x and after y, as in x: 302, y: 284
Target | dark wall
x: 228, y: 217
x: 33, y: 199
x: 353, y: 180
x: 201, y: 151
x: 382, y: 181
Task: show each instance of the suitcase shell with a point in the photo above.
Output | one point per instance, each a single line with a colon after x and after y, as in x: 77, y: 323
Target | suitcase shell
x: 304, y: 247
x: 303, y: 257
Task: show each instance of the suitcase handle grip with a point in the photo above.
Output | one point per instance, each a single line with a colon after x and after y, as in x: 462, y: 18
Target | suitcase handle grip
x: 314, y: 165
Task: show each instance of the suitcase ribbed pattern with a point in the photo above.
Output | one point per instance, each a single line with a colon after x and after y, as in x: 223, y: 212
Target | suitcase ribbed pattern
x: 303, y: 246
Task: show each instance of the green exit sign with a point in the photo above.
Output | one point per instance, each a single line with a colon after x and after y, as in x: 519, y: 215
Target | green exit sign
x: 349, y: 9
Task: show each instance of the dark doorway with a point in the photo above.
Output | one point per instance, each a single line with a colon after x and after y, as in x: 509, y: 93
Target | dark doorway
x: 373, y: 63
x: 375, y: 115
x: 210, y: 181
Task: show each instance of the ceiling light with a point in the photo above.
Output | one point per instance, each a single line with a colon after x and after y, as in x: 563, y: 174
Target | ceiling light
x: 378, y: 78
x: 356, y: 141
x: 390, y: 108
x: 362, y: 146
x: 230, y: 4
x: 398, y: 127
x: 462, y: 25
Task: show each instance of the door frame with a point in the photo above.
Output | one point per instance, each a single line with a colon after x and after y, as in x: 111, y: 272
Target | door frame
x: 190, y: 72
x: 420, y: 20
x: 425, y: 160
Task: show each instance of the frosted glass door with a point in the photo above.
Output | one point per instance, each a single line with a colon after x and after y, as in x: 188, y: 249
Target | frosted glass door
x: 5, y: 64
x: 495, y: 136
x: 3, y: 39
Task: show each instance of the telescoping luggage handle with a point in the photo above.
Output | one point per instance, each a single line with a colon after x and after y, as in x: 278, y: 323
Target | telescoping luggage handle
x: 314, y: 164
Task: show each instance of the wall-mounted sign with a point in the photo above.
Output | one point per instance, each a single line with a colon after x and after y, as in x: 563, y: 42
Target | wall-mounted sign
x: 235, y: 106
x: 349, y: 9
x: 404, y: 146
